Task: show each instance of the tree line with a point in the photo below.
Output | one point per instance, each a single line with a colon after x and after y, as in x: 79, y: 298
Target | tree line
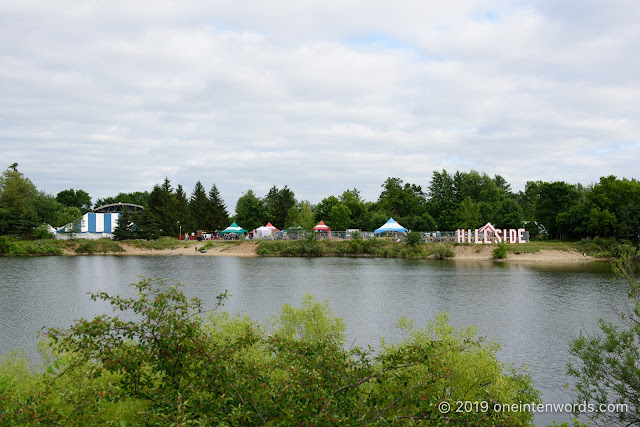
x: 608, y: 208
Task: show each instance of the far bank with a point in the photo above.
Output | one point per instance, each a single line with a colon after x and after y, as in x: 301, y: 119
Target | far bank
x: 536, y: 251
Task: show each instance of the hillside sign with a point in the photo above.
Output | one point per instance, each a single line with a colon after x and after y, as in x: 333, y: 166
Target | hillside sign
x: 489, y: 234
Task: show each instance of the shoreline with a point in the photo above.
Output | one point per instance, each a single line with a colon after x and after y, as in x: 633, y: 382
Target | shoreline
x: 247, y: 249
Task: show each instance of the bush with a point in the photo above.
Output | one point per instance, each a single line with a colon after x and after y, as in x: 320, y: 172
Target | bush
x: 413, y: 238
x: 441, y: 251
x: 104, y: 246
x: 173, y: 366
x: 500, y: 251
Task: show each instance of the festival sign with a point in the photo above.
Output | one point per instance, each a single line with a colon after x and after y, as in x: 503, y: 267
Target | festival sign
x: 489, y: 234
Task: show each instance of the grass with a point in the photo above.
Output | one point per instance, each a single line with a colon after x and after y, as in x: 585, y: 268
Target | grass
x: 159, y: 244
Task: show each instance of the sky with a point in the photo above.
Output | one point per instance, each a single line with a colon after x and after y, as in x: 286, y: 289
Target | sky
x: 322, y: 96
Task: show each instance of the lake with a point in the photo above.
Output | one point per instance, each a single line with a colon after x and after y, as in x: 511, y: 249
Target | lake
x: 532, y: 310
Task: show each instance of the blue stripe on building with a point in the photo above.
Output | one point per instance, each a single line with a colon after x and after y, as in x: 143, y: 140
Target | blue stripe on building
x: 107, y: 223
x: 92, y: 222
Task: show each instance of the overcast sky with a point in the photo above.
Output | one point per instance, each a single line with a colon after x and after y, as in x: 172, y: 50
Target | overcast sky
x: 114, y: 96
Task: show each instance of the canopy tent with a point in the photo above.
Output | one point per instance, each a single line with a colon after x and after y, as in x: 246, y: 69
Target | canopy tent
x: 234, y: 228
x: 271, y: 227
x: 322, y: 227
x: 391, y: 225
x: 266, y: 231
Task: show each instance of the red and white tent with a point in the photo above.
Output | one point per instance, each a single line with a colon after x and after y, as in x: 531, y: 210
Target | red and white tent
x: 322, y: 227
x: 271, y: 227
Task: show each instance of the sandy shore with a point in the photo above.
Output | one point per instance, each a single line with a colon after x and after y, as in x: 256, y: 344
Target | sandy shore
x: 463, y: 253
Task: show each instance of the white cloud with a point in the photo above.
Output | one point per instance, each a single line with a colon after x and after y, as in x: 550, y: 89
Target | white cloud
x: 320, y: 96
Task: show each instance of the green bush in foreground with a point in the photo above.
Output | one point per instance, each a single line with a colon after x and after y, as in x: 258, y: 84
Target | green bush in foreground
x: 172, y: 366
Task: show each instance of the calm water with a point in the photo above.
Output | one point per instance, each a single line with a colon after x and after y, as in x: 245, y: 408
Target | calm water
x: 531, y: 310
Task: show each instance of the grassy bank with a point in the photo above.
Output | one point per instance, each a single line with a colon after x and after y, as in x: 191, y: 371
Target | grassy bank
x: 373, y: 248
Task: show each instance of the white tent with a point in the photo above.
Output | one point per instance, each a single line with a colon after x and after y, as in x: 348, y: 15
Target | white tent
x: 391, y: 225
x: 264, y: 232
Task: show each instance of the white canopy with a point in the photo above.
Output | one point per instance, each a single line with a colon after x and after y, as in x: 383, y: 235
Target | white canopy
x: 391, y: 225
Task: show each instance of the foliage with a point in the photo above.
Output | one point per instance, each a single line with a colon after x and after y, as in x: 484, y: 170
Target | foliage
x: 606, y: 365
x: 500, y: 251
x: 413, y: 238
x: 278, y: 203
x: 440, y: 251
x: 42, y: 232
x: 609, y: 208
x: 170, y: 365
x: 11, y: 246
x: 218, y: 215
x: 601, y: 247
x: 79, y: 199
x: 199, y: 208
x: 251, y: 212
x: 104, y: 246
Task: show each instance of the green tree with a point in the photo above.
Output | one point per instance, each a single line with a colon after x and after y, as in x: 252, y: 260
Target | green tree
x: 340, y: 217
x: 468, y: 215
x: 399, y: 201
x: 352, y: 200
x: 219, y: 217
x: 161, y: 216
x: 553, y: 199
x: 17, y: 194
x: 441, y: 203
x: 199, y: 207
x: 323, y: 209
x: 278, y: 203
x: 183, y: 213
x: 306, y: 219
x: 75, y: 198
x: 250, y: 211
x: 606, y: 365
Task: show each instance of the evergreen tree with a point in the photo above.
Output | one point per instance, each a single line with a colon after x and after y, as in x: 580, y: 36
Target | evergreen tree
x: 183, y: 212
x: 199, y: 207
x: 161, y: 212
x: 219, y: 217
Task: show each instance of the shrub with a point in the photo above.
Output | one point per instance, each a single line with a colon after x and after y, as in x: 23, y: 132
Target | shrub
x: 104, y: 246
x: 441, y: 251
x: 413, y: 238
x: 500, y: 251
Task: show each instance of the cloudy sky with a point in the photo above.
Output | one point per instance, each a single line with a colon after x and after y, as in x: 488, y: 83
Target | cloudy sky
x: 112, y: 96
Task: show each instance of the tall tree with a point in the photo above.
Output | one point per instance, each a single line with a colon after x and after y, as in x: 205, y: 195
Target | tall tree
x: 199, y: 207
x: 219, y: 217
x: 161, y: 211
x: 183, y: 213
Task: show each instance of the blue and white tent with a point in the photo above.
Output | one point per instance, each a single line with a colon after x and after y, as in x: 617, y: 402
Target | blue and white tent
x: 391, y: 225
